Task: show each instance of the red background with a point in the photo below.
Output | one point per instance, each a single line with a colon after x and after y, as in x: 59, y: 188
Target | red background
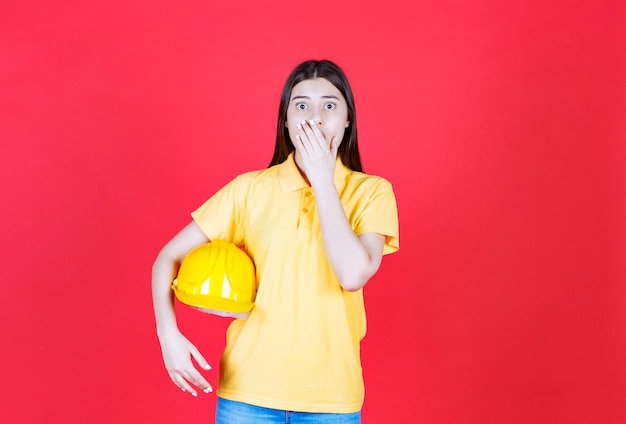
x: 501, y: 125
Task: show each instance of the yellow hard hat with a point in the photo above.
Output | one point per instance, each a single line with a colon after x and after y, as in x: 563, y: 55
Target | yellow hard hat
x: 217, y: 277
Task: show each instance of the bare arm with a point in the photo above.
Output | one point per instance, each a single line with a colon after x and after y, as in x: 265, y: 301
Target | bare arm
x: 354, y: 259
x: 176, y: 349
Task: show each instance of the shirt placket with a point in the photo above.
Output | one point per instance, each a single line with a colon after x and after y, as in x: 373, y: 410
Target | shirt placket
x: 307, y: 208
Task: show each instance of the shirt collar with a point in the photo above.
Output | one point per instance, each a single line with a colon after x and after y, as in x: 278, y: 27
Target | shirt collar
x: 291, y: 179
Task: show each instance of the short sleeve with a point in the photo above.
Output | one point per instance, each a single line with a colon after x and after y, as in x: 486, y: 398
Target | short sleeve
x: 379, y: 214
x: 221, y: 217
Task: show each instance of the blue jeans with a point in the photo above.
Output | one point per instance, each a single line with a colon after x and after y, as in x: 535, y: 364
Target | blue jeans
x: 231, y: 412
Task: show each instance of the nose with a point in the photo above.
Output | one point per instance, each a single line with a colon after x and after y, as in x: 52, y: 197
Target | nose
x: 315, y: 116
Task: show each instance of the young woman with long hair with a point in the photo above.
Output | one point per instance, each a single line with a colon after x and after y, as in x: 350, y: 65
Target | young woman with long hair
x: 316, y: 228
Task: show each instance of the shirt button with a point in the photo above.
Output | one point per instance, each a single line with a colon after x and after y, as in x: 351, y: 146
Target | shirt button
x: 307, y: 193
x: 305, y: 210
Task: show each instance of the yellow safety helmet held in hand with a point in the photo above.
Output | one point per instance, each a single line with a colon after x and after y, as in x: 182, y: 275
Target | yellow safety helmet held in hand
x: 218, y: 278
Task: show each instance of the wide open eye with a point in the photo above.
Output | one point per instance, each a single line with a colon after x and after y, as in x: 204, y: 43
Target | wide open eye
x: 329, y: 106
x: 301, y: 106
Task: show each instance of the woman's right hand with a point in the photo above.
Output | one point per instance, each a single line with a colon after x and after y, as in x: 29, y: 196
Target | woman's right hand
x: 177, y: 352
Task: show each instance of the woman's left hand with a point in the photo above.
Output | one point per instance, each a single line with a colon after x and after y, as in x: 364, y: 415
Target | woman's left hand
x: 318, y: 154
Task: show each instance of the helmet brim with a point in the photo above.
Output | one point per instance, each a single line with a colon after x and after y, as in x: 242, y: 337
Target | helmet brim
x: 213, y: 302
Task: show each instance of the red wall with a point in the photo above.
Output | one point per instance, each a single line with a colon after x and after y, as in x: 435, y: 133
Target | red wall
x: 501, y: 125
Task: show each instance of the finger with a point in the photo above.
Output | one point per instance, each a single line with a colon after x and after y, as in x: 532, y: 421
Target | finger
x: 208, y: 389
x: 302, y: 126
x: 202, y: 383
x: 195, y: 353
x: 300, y: 146
x: 314, y: 140
x: 194, y: 377
x: 319, y: 135
x: 180, y: 381
x: 302, y: 139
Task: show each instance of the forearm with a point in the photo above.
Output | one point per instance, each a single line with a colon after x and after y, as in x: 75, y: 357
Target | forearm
x: 349, y: 258
x: 163, y: 272
x: 354, y: 259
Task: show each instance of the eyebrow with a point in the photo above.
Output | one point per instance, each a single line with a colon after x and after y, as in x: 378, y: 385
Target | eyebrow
x: 323, y: 97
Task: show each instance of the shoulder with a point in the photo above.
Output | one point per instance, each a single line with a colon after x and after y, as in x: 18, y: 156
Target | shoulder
x: 355, y: 179
x: 366, y: 192
x: 251, y: 179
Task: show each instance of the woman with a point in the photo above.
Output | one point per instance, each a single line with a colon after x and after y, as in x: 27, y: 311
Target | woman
x: 316, y: 228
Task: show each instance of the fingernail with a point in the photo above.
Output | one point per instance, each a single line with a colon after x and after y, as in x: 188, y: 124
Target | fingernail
x: 182, y: 389
x: 208, y: 390
x: 303, y: 122
x: 207, y: 367
x: 299, y: 126
x: 312, y: 122
x: 194, y: 394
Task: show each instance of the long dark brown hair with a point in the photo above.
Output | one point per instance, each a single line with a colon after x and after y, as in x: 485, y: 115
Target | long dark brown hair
x: 349, y: 148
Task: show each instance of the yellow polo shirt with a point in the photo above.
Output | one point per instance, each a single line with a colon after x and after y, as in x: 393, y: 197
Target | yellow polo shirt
x: 299, y: 349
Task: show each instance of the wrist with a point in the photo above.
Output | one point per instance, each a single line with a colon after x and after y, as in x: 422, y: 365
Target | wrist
x: 321, y: 187
x: 165, y: 330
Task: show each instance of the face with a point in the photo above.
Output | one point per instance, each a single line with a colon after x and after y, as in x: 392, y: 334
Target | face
x: 321, y: 101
